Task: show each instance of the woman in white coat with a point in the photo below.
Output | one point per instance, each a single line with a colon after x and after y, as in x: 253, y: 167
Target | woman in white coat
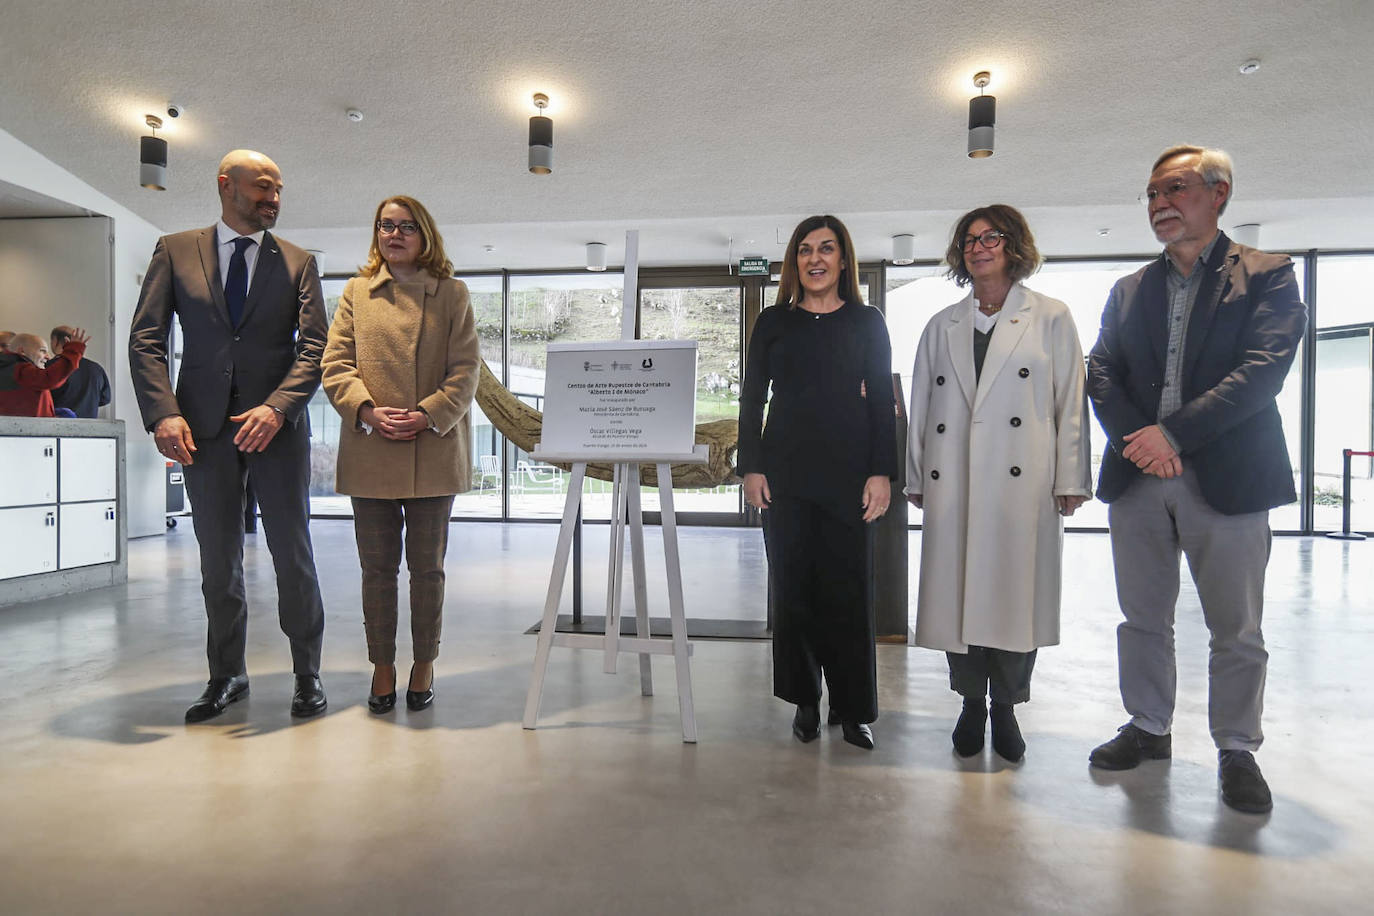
x: 998, y: 455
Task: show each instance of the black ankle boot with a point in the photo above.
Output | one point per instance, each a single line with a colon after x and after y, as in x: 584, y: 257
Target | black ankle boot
x: 1006, y: 734
x: 969, y: 730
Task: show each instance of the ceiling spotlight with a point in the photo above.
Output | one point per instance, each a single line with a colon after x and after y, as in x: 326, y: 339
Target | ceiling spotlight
x: 1104, y: 232
x: 1250, y: 66
x: 541, y: 138
x: 353, y: 115
x: 596, y: 256
x: 489, y: 248
x: 152, y: 157
x: 903, y: 249
x: 982, y: 115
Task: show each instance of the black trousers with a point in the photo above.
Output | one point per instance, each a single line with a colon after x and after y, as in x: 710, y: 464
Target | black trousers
x: 823, y: 623
x: 281, y: 478
x: 1003, y: 675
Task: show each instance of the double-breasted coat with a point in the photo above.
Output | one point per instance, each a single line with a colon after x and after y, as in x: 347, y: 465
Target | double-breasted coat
x: 406, y: 344
x: 989, y: 454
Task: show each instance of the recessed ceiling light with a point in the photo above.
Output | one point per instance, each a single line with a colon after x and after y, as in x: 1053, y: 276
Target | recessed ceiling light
x: 488, y: 248
x: 354, y: 115
x: 1250, y: 66
x: 1104, y: 232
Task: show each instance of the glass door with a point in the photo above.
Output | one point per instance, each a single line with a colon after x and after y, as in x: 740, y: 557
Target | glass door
x: 709, y: 311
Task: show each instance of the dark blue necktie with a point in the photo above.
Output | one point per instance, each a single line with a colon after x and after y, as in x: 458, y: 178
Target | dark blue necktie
x: 236, y: 286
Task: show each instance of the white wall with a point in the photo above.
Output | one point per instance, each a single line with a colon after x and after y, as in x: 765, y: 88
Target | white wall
x: 57, y: 271
x: 134, y: 238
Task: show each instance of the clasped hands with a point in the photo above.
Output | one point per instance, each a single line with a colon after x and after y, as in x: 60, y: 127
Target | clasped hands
x: 396, y: 423
x: 1149, y: 450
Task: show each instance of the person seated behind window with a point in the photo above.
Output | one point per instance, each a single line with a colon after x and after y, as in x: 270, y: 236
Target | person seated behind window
x: 88, y: 388
x: 25, y: 383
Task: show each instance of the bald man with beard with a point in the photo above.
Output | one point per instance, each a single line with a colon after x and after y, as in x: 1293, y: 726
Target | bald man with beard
x: 253, y: 326
x: 27, y: 376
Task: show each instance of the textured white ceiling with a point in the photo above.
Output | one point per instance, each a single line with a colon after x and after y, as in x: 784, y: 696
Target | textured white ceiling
x: 697, y: 122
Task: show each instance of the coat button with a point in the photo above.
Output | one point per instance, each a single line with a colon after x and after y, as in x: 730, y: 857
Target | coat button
x: 934, y: 475
x: 1015, y: 471
x: 939, y: 379
x: 1024, y: 373
x: 1015, y: 421
x: 940, y: 428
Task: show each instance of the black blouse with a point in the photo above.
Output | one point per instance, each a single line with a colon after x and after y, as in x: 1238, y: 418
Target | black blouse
x: 831, y: 421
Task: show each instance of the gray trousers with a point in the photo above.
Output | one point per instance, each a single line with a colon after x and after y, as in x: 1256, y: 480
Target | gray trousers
x: 999, y: 673
x: 215, y: 483
x: 1151, y: 523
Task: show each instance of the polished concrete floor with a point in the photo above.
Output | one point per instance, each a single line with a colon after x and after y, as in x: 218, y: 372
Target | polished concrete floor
x: 113, y: 805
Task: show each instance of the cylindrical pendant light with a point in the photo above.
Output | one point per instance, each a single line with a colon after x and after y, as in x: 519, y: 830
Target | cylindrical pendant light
x: 982, y: 116
x: 152, y: 158
x: 596, y: 256
x: 903, y: 249
x: 541, y: 138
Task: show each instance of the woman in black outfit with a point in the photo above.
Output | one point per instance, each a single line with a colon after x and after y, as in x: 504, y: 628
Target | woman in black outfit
x: 822, y: 469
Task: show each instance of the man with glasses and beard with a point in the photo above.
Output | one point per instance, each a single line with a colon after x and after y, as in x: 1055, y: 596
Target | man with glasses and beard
x: 1193, y: 351
x: 252, y: 317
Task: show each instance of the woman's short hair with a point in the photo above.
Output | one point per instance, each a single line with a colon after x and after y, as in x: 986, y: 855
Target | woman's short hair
x: 1023, y: 258
x: 432, y: 257
x: 789, y: 285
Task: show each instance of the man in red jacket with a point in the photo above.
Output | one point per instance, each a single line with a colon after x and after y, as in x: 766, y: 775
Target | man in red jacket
x: 25, y: 384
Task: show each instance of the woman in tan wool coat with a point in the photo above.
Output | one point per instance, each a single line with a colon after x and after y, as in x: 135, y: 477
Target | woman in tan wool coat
x: 401, y: 369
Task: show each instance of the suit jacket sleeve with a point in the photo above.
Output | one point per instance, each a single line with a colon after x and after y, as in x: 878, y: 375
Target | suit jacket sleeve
x: 343, y: 382
x: 450, y: 403
x: 1107, y: 372
x: 54, y: 374
x: 1268, y: 346
x: 148, y: 341
x: 312, y: 328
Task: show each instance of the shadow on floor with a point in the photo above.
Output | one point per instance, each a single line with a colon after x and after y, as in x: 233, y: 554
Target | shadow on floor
x: 470, y: 699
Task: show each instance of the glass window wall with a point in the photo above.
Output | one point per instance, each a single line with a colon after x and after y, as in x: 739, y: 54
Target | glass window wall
x: 544, y: 309
x: 1344, y: 320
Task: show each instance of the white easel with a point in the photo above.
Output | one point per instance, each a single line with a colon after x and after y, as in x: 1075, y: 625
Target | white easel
x: 625, y: 495
x: 626, y: 512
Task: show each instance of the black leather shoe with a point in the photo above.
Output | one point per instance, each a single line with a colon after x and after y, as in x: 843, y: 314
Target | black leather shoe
x: 1242, y: 784
x: 417, y: 700
x: 219, y: 693
x: 1130, y: 746
x: 806, y: 724
x: 1006, y: 734
x: 972, y: 726
x: 858, y: 735
x: 383, y: 702
x: 309, y: 697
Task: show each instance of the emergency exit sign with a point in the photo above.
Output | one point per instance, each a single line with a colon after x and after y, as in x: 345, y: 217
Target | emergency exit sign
x: 753, y: 267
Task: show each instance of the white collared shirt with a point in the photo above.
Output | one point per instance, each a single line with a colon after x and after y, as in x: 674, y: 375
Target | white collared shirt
x: 224, y: 237
x: 984, y: 323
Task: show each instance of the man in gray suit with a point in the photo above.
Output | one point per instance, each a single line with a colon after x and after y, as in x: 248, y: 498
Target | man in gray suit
x: 1193, y: 351
x: 252, y: 317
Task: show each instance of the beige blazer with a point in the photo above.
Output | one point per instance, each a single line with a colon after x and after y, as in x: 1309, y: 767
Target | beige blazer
x: 412, y: 345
